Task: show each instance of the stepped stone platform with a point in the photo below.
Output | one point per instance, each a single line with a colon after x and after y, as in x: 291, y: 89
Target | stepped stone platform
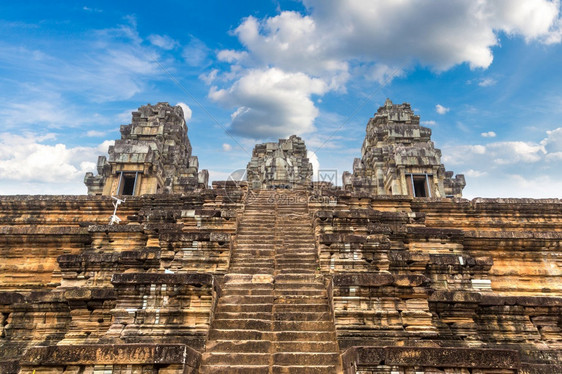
x: 274, y: 313
x: 274, y: 281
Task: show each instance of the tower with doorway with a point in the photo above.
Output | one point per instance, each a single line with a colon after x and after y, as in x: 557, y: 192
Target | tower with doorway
x: 399, y: 158
x: 152, y: 156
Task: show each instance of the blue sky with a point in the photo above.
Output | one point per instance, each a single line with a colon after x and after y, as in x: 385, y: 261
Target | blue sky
x: 485, y: 76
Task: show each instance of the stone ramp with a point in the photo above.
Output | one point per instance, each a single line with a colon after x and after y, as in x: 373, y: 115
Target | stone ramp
x: 273, y: 315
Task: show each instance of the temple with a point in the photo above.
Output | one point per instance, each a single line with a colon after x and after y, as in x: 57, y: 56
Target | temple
x: 399, y: 158
x: 277, y: 274
x: 280, y: 165
x: 153, y: 156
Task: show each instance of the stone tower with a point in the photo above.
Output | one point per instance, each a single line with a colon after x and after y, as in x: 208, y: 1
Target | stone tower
x: 399, y: 158
x: 152, y: 156
x: 280, y: 165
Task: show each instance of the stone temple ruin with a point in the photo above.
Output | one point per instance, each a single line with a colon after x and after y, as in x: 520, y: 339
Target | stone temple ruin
x: 280, y: 165
x: 153, y: 156
x: 255, y: 277
x: 398, y: 158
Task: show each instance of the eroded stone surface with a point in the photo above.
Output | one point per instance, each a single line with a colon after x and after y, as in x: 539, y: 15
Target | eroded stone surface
x: 399, y: 158
x: 280, y: 165
x: 152, y: 156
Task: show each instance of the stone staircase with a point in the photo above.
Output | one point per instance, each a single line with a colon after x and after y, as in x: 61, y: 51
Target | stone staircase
x: 273, y: 315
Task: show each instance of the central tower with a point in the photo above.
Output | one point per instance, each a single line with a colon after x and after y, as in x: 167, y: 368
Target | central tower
x: 280, y: 165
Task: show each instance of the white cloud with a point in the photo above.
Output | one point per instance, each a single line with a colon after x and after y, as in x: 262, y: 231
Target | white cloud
x: 488, y: 134
x: 313, y: 159
x: 93, y: 10
x: 504, y: 153
x: 271, y: 103
x: 429, y: 123
x: 230, y: 55
x: 162, y: 41
x: 104, y: 146
x: 226, y: 147
x: 440, y: 34
x: 474, y: 173
x: 384, y: 74
x: 486, y: 82
x: 530, y: 186
x: 28, y: 159
x: 376, y: 40
x: 195, y: 53
x: 440, y: 109
x: 110, y: 64
x: 95, y: 133
x: 553, y: 141
x: 210, y: 77
x: 186, y: 111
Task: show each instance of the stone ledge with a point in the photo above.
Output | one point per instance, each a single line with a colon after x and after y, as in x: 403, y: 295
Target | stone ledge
x: 527, y: 368
x: 120, y: 354
x: 115, y: 228
x: 432, y: 357
x: 378, y: 279
x: 42, y: 230
x: 8, y: 298
x: 197, y: 279
x: 487, y: 299
x: 9, y: 367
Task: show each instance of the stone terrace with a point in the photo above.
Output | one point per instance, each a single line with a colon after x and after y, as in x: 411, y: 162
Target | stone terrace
x: 230, y: 280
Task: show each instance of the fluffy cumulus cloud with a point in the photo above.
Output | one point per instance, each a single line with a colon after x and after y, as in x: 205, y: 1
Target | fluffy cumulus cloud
x: 553, y: 144
x: 440, y: 109
x: 186, y: 111
x: 517, y: 164
x: 271, y: 103
x: 313, y: 159
x: 31, y: 158
x: 335, y: 39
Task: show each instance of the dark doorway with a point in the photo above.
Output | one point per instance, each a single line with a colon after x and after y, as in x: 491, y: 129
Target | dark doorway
x: 128, y: 184
x: 420, y: 189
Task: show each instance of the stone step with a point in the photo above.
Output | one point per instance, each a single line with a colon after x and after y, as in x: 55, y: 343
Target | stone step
x: 250, y: 291
x: 296, y: 271
x: 317, y: 307
x: 299, y: 286
x: 232, y: 334
x: 240, y: 315
x: 316, y: 326
x: 304, y: 335
x: 235, y: 369
x: 308, y: 359
x: 250, y: 299
x: 297, y: 292
x: 255, y: 262
x: 250, y: 270
x: 233, y: 285
x: 229, y: 334
x: 277, y: 316
x: 263, y: 252
x: 258, y: 346
x: 295, y: 265
x: 301, y: 369
x: 254, y: 241
x: 233, y: 279
x: 303, y: 278
x: 242, y: 324
x: 247, y: 308
x: 305, y: 346
x: 281, y: 254
x: 245, y: 358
